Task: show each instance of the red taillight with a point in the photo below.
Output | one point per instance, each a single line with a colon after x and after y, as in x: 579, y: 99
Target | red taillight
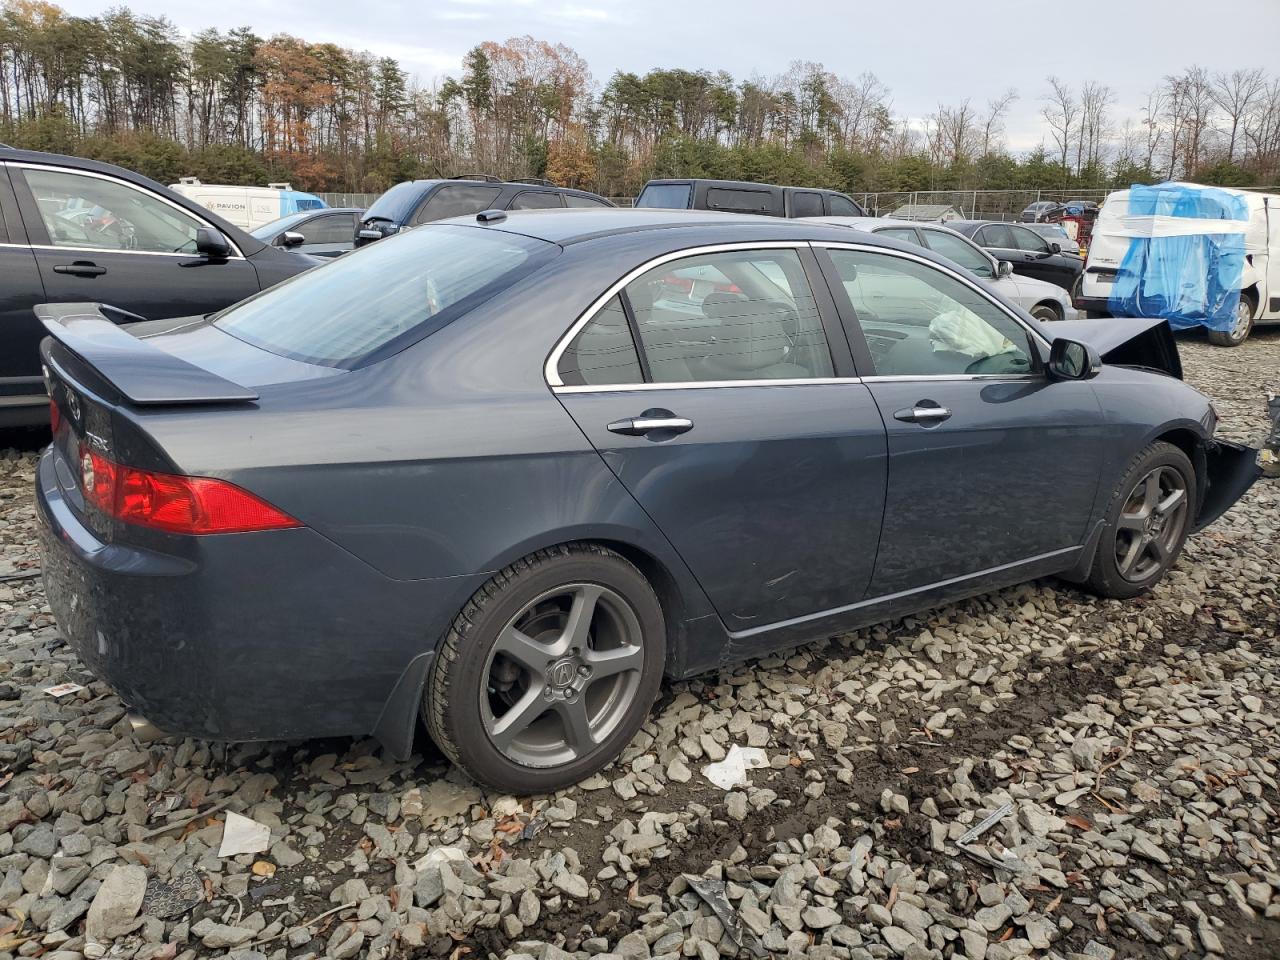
x: 55, y: 417
x: 173, y: 503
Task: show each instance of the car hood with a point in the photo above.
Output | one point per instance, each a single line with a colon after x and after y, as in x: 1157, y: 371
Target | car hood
x: 1145, y: 342
x: 1030, y: 289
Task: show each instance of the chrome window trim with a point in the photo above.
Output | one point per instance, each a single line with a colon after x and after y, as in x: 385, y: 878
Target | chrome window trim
x: 73, y: 171
x: 699, y: 385
x: 971, y: 282
x: 550, y: 369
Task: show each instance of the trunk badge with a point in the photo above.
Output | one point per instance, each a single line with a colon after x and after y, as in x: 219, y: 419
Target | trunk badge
x: 73, y: 404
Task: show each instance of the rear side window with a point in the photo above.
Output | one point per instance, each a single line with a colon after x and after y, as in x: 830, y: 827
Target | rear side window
x: 456, y: 201
x: 573, y: 200
x: 536, y: 200
x: 961, y: 252
x: 739, y: 201
x: 900, y: 233
x: 745, y: 315
x: 384, y: 296
x: 806, y: 205
x: 671, y: 196
x: 603, y: 352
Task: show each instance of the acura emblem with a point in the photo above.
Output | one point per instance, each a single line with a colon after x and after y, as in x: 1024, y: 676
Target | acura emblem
x: 73, y: 404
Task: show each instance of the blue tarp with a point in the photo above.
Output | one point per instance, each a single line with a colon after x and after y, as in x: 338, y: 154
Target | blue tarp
x: 1190, y: 278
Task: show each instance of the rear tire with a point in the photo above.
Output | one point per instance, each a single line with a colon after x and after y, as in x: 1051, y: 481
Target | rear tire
x: 1240, y: 329
x: 549, y: 670
x: 1046, y: 312
x: 1146, y: 523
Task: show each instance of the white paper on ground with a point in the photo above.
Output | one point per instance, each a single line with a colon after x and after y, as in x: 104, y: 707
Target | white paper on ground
x: 732, y: 770
x: 62, y: 689
x: 243, y: 835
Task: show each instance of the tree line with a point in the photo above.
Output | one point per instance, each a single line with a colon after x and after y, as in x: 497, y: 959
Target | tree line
x: 231, y: 106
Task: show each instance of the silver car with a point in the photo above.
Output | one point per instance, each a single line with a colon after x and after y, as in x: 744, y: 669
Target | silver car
x: 1044, y: 301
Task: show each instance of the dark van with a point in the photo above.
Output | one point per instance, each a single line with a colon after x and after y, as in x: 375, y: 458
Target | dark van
x: 742, y: 196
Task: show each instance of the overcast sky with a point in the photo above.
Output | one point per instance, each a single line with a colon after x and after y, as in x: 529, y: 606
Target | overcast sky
x: 926, y: 51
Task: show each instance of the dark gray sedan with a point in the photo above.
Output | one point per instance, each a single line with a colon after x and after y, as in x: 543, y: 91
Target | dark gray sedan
x: 507, y: 473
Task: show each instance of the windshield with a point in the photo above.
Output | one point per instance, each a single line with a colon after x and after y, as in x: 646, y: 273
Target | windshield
x: 397, y: 203
x: 384, y: 297
x: 269, y: 230
x: 671, y: 196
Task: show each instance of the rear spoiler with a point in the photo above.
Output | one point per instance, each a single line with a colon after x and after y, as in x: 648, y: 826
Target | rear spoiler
x: 145, y: 374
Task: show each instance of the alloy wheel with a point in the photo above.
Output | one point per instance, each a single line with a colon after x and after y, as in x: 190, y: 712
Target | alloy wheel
x: 1151, y: 523
x: 562, y: 675
x: 1244, y: 316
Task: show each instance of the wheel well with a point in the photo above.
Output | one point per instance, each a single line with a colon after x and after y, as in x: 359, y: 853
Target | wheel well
x: 1251, y: 294
x: 668, y: 591
x: 1189, y: 443
x: 1057, y: 310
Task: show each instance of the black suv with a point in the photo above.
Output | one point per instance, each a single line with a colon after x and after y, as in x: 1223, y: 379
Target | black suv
x: 414, y: 202
x: 743, y: 196
x: 73, y: 230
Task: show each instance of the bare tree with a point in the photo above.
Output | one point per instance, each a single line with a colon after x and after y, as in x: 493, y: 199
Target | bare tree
x: 1061, y: 112
x: 1095, y: 101
x: 1190, y: 107
x: 1235, y: 94
x: 1262, y: 131
x: 993, y: 120
x: 1153, y: 123
x: 956, y: 132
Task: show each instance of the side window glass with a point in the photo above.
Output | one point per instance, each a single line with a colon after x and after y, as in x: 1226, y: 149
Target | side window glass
x: 745, y: 315
x: 536, y: 200
x: 843, y: 206
x: 333, y: 229
x: 997, y: 235
x: 80, y: 211
x: 901, y: 233
x: 603, y: 352
x: 960, y: 251
x: 1029, y: 240
x: 456, y: 201
x: 918, y: 321
x: 573, y: 200
x: 806, y: 205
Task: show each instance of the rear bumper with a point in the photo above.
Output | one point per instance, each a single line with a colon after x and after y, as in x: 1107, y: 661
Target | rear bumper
x: 1092, y: 306
x: 275, y: 635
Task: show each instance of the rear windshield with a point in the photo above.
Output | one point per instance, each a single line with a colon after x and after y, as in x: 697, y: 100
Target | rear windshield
x: 377, y: 300
x: 668, y: 196
x: 397, y: 203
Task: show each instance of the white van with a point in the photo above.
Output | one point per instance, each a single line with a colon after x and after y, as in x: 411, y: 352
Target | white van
x: 1227, y: 278
x: 248, y: 207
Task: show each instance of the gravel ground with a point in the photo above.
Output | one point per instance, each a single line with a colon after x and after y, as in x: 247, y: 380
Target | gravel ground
x: 1129, y: 751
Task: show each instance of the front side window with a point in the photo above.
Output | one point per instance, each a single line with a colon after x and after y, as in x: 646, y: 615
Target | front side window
x: 1029, y: 240
x: 961, y: 252
x: 741, y: 315
x: 603, y: 352
x: 100, y: 214
x: 393, y: 292
x: 806, y: 205
x: 536, y: 200
x: 996, y: 235
x: 918, y: 321
x: 334, y: 228
x: 455, y: 200
x: 843, y: 206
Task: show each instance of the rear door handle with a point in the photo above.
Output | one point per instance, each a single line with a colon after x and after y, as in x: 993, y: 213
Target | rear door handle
x: 81, y: 268
x: 639, y: 426
x: 925, y: 415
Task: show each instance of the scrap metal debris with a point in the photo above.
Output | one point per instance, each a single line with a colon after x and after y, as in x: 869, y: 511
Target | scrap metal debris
x: 1003, y: 858
x: 713, y: 894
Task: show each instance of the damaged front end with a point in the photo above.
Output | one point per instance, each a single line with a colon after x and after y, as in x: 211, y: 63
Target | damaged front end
x: 1227, y: 470
x: 1143, y: 342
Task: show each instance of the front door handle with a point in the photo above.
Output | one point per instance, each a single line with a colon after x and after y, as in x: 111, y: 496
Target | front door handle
x: 919, y: 414
x: 641, y: 425
x: 81, y: 268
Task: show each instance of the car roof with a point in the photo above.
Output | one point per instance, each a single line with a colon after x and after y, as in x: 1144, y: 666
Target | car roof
x: 523, y: 184
x: 565, y: 227
x: 735, y: 184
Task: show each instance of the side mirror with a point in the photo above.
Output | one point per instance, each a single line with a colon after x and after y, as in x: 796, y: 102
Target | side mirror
x: 368, y: 234
x: 291, y: 238
x: 212, y: 244
x: 1073, y: 360
x: 1003, y: 269
x: 1055, y: 248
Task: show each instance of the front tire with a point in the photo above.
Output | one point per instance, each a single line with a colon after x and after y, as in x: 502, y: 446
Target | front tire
x: 1147, y: 522
x: 1240, y: 329
x: 1046, y: 312
x: 549, y: 670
